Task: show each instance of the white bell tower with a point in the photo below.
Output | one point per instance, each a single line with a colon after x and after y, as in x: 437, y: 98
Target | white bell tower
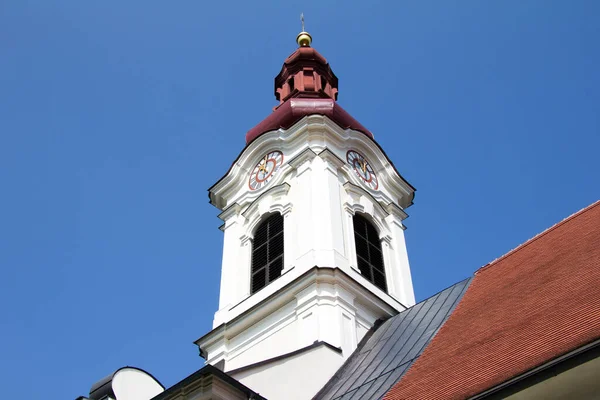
x: 314, y: 251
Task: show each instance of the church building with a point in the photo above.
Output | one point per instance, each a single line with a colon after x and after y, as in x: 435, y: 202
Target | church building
x: 316, y: 299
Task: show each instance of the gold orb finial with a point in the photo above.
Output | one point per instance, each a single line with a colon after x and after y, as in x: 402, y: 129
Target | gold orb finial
x: 303, y: 39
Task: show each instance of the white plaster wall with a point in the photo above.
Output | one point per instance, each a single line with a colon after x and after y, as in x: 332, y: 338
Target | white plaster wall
x: 397, y: 266
x: 270, y: 337
x: 318, y: 193
x: 299, y: 377
x: 232, y: 271
x: 318, y: 200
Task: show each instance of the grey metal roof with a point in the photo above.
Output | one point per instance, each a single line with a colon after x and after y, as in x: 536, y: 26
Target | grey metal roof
x: 103, y: 388
x: 387, y: 351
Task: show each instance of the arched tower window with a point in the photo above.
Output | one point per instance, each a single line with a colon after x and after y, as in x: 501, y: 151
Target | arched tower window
x: 368, y: 252
x: 267, y: 252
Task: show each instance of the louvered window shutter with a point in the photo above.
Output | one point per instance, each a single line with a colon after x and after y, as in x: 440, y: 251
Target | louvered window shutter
x: 267, y: 252
x: 368, y: 252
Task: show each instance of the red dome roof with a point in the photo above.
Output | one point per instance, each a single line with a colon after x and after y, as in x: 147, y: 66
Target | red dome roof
x: 306, y: 85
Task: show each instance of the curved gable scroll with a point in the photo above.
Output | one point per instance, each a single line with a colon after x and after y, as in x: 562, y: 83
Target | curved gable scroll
x: 271, y: 201
x: 360, y: 201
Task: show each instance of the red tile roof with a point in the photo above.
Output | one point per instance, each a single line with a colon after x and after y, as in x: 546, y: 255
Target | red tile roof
x: 535, y: 303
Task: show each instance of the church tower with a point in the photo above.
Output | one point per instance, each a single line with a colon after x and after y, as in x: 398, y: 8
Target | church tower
x: 314, y: 251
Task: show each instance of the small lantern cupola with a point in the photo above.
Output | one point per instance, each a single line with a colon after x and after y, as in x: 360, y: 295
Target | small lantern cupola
x: 305, y: 74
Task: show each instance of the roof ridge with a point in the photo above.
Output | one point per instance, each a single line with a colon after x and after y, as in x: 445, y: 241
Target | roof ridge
x: 539, y: 235
x: 440, y: 291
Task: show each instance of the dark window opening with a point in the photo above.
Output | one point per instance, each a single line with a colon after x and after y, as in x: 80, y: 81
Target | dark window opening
x: 267, y: 252
x: 291, y: 83
x: 368, y: 252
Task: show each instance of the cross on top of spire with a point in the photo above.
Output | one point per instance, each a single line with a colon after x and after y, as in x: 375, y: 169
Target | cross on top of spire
x: 303, y: 39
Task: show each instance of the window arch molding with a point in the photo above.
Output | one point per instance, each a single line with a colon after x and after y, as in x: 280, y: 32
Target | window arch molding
x: 254, y: 221
x: 274, y: 201
x: 359, y: 202
x: 378, y: 224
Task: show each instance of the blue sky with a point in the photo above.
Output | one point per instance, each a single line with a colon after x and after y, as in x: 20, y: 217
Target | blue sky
x: 115, y: 118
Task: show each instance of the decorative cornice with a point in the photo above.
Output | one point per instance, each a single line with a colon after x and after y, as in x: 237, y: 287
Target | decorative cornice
x: 365, y: 291
x: 396, y: 211
x: 316, y: 132
x: 230, y: 211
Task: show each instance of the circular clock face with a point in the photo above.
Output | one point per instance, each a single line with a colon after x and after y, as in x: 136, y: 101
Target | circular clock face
x: 265, y: 170
x: 362, y: 168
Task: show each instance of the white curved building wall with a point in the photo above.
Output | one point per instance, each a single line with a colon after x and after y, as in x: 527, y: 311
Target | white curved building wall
x: 133, y: 384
